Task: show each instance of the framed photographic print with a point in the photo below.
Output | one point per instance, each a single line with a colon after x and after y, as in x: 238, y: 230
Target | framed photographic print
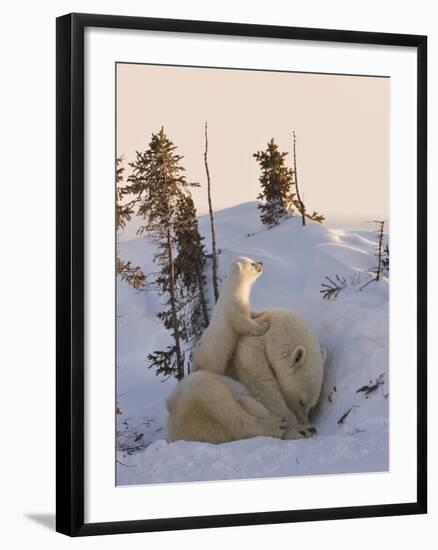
x: 241, y: 274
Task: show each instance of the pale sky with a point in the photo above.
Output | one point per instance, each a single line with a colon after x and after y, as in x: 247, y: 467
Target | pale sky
x: 341, y: 122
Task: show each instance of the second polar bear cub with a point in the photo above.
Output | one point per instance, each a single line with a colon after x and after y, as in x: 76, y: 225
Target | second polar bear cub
x: 232, y: 317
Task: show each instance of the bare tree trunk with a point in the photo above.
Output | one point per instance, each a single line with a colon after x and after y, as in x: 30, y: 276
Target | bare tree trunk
x: 213, y: 235
x: 380, y: 249
x: 176, y: 335
x: 302, y: 208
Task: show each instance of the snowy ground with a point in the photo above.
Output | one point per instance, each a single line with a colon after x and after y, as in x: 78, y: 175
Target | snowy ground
x: 352, y: 426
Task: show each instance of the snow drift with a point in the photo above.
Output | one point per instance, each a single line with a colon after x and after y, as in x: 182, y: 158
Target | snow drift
x: 352, y: 414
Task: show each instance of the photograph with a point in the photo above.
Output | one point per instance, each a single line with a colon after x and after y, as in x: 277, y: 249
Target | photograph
x: 252, y: 274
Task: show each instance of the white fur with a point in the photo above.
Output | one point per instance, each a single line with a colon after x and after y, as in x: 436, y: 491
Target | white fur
x: 279, y: 377
x: 213, y: 408
x: 283, y: 369
x: 232, y: 317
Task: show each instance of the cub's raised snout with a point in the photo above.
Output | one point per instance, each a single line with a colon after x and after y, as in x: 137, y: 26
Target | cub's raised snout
x: 247, y: 268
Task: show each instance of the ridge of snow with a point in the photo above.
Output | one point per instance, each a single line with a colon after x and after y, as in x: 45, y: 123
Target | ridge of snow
x: 354, y: 328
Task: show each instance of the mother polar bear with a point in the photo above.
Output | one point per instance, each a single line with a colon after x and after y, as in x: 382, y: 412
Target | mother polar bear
x: 271, y: 383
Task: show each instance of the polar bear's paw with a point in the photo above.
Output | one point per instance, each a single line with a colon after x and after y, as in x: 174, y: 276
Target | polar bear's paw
x: 264, y: 327
x: 300, y: 432
x: 273, y: 426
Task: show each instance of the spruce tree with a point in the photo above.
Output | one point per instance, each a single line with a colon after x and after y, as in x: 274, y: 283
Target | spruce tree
x: 276, y: 180
x: 189, y: 287
x: 162, y: 197
x: 170, y: 361
x: 129, y: 273
x: 190, y: 263
x: 124, y: 210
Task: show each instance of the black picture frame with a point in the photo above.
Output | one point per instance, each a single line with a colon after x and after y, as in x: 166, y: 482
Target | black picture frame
x: 70, y: 272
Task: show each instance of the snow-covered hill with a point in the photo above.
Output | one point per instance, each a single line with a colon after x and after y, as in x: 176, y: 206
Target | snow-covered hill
x: 352, y: 426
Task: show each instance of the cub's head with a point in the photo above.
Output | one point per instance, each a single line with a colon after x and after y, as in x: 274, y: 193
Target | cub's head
x: 247, y: 269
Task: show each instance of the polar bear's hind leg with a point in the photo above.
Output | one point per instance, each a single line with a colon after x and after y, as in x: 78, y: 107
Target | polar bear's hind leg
x: 205, y: 409
x: 253, y: 407
x: 237, y: 415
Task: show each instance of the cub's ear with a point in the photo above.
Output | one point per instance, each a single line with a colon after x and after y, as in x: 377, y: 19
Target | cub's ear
x: 298, y: 356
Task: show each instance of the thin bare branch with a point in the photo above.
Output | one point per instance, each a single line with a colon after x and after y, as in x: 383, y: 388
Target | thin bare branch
x: 302, y: 208
x: 210, y: 209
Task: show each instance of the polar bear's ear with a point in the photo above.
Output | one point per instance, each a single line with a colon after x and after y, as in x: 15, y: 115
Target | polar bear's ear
x: 298, y: 356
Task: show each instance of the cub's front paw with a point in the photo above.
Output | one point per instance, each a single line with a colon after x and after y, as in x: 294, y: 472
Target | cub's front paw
x: 255, y: 314
x: 264, y: 327
x: 263, y: 316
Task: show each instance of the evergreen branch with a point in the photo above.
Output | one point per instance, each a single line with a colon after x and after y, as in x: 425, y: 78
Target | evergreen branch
x: 333, y: 289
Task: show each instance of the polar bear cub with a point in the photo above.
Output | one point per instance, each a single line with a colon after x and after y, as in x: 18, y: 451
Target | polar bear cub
x: 232, y: 317
x: 213, y: 408
x: 283, y: 369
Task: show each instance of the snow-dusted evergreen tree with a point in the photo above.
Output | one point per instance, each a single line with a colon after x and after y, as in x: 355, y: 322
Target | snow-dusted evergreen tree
x: 124, y: 210
x: 382, y: 255
x: 189, y: 267
x: 162, y: 197
x: 132, y: 274
x: 381, y: 251
x: 276, y: 180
